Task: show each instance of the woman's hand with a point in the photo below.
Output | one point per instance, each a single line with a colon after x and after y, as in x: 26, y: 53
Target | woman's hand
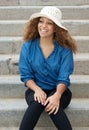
x: 40, y: 96
x: 53, y: 103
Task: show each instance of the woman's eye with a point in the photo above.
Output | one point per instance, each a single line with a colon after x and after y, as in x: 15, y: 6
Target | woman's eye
x: 50, y: 23
x: 40, y: 21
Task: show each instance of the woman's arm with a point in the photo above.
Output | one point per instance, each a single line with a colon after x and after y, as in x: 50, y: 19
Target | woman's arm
x: 39, y: 94
x: 60, y: 89
x: 27, y: 74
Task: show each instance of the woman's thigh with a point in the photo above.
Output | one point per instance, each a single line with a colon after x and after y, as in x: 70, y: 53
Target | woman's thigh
x: 32, y: 113
x: 66, y: 98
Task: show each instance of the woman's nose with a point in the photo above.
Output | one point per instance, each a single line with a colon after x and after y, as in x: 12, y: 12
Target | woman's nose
x: 44, y: 24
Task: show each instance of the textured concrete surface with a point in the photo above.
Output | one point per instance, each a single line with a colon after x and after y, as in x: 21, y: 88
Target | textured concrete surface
x: 54, y: 2
x: 43, y: 128
x: 43, y: 2
x: 24, y: 12
x: 9, y: 2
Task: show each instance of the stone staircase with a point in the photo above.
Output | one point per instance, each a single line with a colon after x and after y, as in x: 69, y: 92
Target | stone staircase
x: 13, y: 15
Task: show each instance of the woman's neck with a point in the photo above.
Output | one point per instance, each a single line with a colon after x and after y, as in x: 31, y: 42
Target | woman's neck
x: 46, y: 41
x: 47, y: 46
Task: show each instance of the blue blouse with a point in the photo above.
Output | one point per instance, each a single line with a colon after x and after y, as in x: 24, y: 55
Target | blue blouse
x: 48, y: 72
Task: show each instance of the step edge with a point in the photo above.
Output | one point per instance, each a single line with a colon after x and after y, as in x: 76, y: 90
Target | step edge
x: 20, y: 104
x: 37, y: 7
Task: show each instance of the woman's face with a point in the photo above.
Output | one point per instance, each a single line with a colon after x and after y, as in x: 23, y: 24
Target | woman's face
x: 45, y: 27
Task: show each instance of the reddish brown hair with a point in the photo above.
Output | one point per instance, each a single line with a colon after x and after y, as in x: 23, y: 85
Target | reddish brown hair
x: 60, y: 35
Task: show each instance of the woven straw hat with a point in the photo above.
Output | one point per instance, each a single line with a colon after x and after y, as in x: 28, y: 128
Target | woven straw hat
x: 52, y: 13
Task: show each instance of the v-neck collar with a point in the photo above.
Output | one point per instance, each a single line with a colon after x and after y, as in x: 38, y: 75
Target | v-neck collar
x: 45, y: 58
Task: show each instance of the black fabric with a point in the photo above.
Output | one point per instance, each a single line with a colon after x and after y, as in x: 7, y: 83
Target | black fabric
x: 35, y: 109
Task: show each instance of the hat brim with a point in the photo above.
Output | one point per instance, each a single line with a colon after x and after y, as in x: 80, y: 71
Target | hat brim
x: 36, y: 15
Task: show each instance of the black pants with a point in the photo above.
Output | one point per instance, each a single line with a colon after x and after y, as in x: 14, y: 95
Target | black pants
x: 35, y: 109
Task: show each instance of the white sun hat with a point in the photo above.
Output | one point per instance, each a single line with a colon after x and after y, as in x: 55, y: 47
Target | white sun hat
x: 52, y: 13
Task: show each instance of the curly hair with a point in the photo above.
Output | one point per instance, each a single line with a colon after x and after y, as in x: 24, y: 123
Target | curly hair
x: 62, y: 36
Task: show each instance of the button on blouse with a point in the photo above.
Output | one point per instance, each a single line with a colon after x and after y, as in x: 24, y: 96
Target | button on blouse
x: 46, y: 72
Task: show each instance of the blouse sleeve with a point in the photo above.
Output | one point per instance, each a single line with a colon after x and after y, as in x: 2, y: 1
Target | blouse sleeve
x: 24, y: 65
x: 67, y: 67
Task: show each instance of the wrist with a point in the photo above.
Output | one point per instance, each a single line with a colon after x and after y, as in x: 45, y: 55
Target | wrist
x: 58, y: 94
x: 37, y: 88
x: 60, y: 89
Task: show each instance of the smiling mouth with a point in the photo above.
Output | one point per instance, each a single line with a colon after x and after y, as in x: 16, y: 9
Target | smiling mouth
x: 43, y: 30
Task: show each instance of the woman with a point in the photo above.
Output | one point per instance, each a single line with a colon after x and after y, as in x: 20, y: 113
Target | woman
x: 45, y: 64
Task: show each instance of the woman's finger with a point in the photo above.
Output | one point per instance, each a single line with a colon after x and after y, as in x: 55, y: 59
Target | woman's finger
x: 46, y: 102
x: 56, y: 110
x: 51, y: 111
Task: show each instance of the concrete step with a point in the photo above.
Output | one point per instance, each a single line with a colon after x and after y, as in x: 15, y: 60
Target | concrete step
x: 12, y: 110
x: 9, y: 64
x: 12, y: 45
x: 44, y: 2
x: 43, y: 128
x: 24, y: 12
x: 81, y: 63
x: 12, y: 87
x: 53, y: 2
x: 15, y: 27
x: 10, y: 2
x: 82, y: 43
